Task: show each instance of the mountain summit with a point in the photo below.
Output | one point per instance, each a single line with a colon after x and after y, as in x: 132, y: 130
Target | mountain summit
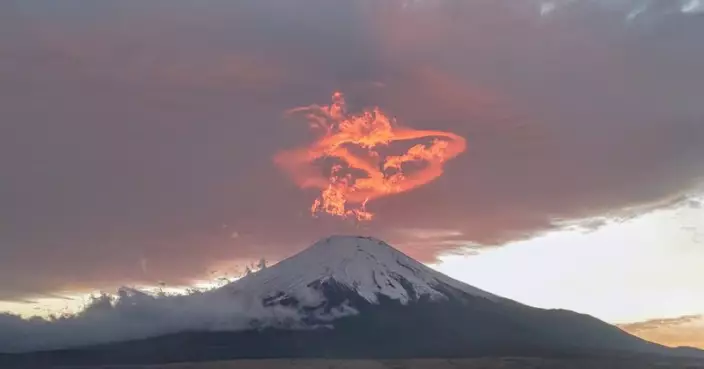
x: 358, y: 297
x: 365, y: 267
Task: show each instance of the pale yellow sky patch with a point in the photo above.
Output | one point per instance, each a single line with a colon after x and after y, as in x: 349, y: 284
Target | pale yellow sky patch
x: 648, y: 267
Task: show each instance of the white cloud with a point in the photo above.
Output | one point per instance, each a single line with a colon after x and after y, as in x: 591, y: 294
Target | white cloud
x: 547, y: 8
x: 133, y: 314
x: 692, y: 6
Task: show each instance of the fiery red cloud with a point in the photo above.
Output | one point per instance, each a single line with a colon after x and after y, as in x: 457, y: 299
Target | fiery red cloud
x: 352, y: 162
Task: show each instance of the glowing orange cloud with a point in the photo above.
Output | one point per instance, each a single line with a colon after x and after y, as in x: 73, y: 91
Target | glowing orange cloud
x: 351, y: 162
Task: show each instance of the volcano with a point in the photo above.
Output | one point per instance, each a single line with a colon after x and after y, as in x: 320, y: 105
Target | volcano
x: 358, y: 297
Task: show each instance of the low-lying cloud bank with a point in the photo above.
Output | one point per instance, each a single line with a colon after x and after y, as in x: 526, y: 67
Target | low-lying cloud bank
x: 133, y: 314
x: 685, y: 331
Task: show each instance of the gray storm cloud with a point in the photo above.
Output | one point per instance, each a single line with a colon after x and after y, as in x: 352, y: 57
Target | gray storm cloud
x: 135, y: 131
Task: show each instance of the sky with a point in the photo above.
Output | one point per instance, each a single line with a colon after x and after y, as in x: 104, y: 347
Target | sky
x: 138, y: 144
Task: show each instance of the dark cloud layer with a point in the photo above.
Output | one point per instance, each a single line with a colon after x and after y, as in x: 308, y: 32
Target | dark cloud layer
x: 137, y: 137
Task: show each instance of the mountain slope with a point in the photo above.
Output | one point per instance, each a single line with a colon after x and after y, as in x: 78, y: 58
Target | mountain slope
x: 357, y: 297
x: 365, y: 267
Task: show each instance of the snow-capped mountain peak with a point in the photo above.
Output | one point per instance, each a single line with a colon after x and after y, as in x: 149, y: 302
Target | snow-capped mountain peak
x: 366, y: 266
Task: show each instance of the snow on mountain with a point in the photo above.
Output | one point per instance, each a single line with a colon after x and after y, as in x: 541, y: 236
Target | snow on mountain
x: 367, y: 266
